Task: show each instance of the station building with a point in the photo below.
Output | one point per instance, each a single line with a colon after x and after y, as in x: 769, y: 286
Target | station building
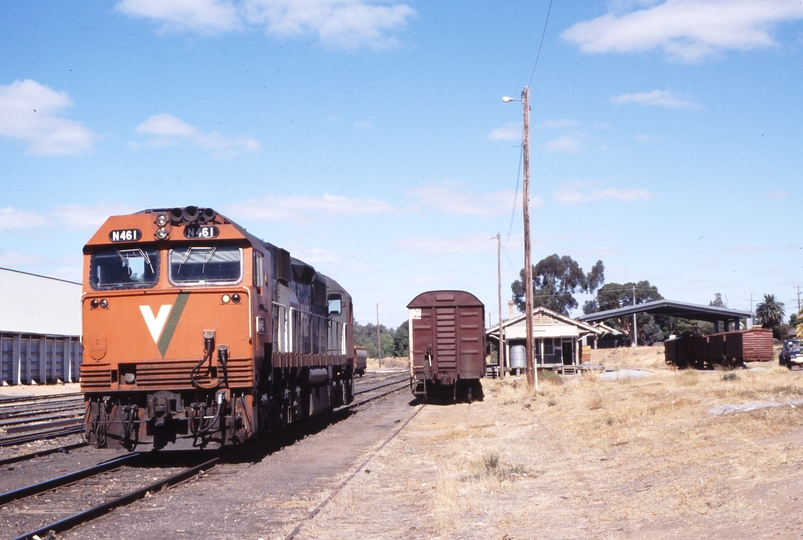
x: 559, y: 340
x: 40, y: 329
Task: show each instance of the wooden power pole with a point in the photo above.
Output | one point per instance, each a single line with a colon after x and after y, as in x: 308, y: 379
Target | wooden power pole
x: 501, y: 352
x: 532, y: 376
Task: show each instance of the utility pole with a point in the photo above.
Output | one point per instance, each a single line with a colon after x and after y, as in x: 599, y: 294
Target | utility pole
x: 635, y: 332
x: 798, y: 298
x: 532, y: 374
x: 378, y: 340
x: 501, y: 351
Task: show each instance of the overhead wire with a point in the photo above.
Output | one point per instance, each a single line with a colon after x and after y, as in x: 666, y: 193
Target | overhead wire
x: 541, y: 43
x: 521, y: 153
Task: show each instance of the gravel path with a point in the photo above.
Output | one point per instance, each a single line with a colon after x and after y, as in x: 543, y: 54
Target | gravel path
x: 267, y: 499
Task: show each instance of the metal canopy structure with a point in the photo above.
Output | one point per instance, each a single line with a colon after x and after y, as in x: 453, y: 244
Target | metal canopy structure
x: 673, y: 309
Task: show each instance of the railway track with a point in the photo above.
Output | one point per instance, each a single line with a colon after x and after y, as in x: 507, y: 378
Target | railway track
x: 86, y: 494
x: 29, y: 419
x: 369, y: 384
x: 48, y: 505
x: 402, y: 380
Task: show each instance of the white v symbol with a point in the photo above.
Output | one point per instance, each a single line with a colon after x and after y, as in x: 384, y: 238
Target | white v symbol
x: 155, y: 324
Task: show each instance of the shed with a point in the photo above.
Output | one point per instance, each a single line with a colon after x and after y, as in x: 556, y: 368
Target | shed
x: 40, y: 329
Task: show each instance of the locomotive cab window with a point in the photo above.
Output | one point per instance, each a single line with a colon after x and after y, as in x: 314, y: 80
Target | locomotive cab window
x: 335, y: 304
x: 206, y: 265
x: 124, y: 268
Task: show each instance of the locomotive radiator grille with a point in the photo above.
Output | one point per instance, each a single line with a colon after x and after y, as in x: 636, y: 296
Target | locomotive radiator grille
x: 167, y: 375
x: 99, y: 376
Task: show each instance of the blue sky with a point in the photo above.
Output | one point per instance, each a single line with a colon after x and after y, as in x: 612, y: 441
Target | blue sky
x: 369, y: 137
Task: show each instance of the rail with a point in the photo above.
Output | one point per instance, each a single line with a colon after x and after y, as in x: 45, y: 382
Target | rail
x: 105, y: 507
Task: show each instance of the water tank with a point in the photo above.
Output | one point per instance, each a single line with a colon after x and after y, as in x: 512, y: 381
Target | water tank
x: 518, y: 357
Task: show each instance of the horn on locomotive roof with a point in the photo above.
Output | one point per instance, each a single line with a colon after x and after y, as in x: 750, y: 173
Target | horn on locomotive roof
x: 207, y: 214
x: 190, y: 214
x: 175, y: 215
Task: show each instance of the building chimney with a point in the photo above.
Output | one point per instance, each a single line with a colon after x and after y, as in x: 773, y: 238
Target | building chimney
x: 510, y: 308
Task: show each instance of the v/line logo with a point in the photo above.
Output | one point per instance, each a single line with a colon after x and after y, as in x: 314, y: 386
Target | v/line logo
x: 155, y: 324
x: 163, y: 324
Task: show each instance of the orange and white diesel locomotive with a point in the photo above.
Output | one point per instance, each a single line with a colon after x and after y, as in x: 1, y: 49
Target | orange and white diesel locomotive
x: 198, y: 334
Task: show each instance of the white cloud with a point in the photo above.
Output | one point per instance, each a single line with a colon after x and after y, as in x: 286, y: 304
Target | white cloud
x: 85, y: 217
x: 511, y: 131
x: 558, y: 124
x: 443, y: 245
x: 450, y: 197
x: 656, y: 98
x: 582, y: 192
x: 31, y: 112
x: 205, y: 16
x: 166, y: 130
x: 778, y: 194
x: 344, y: 24
x: 317, y: 256
x: 165, y: 125
x: 11, y: 219
x: 686, y: 30
x: 564, y: 145
x: 305, y: 208
x: 20, y: 259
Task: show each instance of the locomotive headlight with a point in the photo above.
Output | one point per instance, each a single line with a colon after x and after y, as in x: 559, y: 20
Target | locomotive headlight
x: 235, y: 298
x: 104, y: 303
x: 161, y: 220
x: 226, y: 298
x: 161, y: 233
x: 94, y: 303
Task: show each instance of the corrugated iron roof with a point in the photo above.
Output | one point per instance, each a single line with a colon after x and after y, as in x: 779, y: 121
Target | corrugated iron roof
x: 582, y: 327
x: 673, y: 309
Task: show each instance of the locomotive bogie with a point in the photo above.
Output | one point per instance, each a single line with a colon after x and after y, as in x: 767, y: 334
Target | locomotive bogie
x: 199, y: 335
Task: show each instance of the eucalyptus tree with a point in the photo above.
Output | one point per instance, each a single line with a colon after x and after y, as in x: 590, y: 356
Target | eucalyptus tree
x: 555, y: 282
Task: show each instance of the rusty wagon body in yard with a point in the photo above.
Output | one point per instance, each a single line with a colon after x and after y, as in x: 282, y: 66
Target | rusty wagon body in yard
x: 447, y: 344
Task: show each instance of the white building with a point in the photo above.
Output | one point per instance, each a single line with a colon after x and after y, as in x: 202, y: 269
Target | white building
x: 557, y: 339
x: 40, y: 328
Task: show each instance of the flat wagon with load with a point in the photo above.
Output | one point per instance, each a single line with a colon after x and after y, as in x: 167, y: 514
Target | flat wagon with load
x: 447, y: 344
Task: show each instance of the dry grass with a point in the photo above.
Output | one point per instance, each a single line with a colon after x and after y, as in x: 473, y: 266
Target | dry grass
x: 625, y: 458
x: 372, y: 364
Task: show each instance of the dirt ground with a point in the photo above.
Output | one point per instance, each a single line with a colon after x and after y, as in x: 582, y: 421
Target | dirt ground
x: 653, y: 453
x: 632, y: 457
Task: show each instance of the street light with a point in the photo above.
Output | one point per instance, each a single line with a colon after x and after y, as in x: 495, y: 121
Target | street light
x: 532, y: 375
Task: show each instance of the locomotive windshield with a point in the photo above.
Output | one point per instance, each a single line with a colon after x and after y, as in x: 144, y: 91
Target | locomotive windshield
x: 206, y: 265
x: 124, y: 268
